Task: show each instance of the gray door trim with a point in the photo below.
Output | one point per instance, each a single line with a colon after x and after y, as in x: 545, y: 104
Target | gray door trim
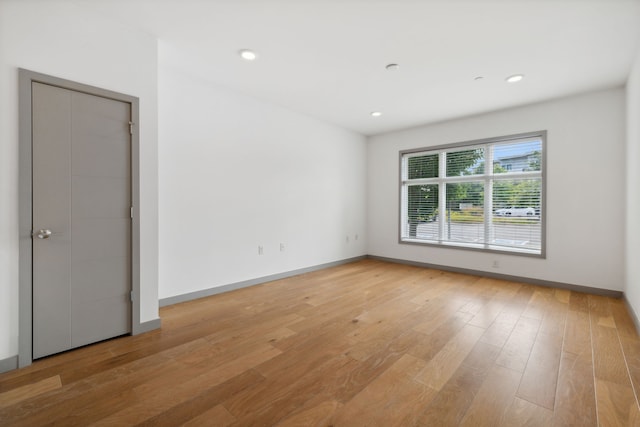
x: 25, y: 204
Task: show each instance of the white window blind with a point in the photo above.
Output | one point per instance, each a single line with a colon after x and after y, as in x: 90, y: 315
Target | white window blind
x: 484, y: 195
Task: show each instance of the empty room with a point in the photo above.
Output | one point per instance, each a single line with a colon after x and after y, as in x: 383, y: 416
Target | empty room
x: 320, y: 212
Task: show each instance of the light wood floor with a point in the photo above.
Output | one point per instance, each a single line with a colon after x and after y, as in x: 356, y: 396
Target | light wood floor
x: 364, y: 344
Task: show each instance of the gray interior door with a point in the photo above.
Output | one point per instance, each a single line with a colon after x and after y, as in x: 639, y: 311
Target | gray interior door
x: 81, y: 218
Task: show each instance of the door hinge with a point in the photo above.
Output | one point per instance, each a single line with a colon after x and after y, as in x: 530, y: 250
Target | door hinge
x: 131, y: 296
x: 131, y: 212
x: 131, y: 127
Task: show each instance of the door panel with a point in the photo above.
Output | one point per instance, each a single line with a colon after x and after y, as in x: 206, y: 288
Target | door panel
x: 99, y: 239
x: 82, y: 192
x: 98, y: 196
x: 99, y: 319
x: 101, y: 137
x: 51, y: 199
x: 100, y: 279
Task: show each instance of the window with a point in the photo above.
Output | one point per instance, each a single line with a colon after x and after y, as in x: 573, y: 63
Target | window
x: 485, y: 195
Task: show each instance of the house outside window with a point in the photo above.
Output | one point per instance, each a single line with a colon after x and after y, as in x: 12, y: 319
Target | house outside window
x: 450, y: 198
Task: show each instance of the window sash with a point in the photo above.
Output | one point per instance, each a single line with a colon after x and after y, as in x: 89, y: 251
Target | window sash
x: 482, y: 234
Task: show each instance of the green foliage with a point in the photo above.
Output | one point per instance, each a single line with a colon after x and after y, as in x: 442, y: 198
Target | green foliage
x: 423, y: 202
x: 519, y: 193
x: 461, y: 162
x: 474, y: 215
x: 423, y: 167
x: 465, y: 192
x: 534, y: 165
x: 515, y: 220
x: 423, y: 199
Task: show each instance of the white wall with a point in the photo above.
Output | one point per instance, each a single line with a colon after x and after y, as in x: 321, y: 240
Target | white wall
x: 632, y: 278
x: 585, y: 214
x: 236, y: 173
x: 63, y: 40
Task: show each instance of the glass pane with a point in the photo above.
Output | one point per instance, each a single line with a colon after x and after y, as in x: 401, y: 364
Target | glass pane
x: 422, y: 212
x: 516, y: 213
x: 467, y: 162
x: 465, y: 213
x: 422, y: 166
x: 524, y: 156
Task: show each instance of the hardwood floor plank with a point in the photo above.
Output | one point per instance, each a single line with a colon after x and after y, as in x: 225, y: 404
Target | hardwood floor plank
x: 158, y: 396
x: 624, y: 323
x: 296, y: 363
x: 320, y: 415
x: 367, y: 343
x: 540, y: 376
x: 488, y: 314
x: 579, y: 301
x: 609, y: 362
x: 562, y: 295
x: 436, y: 285
x: 506, y: 290
x: 197, y: 407
x: 447, y: 361
x: 617, y: 405
x: 345, y: 325
x: 275, y: 399
x: 429, y: 345
x: 522, y: 413
x: 269, y: 328
x: 59, y: 364
x: 363, y: 349
x: 84, y: 395
x: 577, y: 334
x: 631, y: 350
x: 554, y: 319
x: 28, y: 391
x: 522, y: 296
x: 217, y: 416
x: 437, y: 315
x: 539, y: 303
x: 451, y: 403
x: 576, y: 389
x: 517, y: 349
x: 393, y: 398
x: 377, y: 363
x: 500, y: 330
x: 598, y: 305
x: 497, y: 391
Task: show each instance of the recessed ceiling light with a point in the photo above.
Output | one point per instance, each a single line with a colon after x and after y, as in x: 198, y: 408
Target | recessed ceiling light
x: 392, y: 67
x: 376, y: 113
x: 515, y: 78
x: 247, y: 55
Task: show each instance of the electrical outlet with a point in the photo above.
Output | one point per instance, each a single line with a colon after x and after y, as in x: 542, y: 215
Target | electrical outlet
x: 281, y: 247
x: 260, y: 250
x: 496, y: 263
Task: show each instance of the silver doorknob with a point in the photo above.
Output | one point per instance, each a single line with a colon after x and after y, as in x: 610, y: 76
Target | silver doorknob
x: 42, y: 234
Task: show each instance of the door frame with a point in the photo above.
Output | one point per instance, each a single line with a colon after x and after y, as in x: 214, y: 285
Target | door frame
x: 25, y: 203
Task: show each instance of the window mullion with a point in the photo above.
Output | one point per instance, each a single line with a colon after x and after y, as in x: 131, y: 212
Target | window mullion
x: 421, y: 181
x: 517, y: 175
x: 489, y: 232
x: 442, y: 194
x: 404, y: 220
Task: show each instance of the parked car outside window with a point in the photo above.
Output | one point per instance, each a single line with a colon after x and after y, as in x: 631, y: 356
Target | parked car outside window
x: 513, y: 211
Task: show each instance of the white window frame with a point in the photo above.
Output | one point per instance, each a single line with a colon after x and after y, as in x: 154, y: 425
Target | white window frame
x: 488, y: 178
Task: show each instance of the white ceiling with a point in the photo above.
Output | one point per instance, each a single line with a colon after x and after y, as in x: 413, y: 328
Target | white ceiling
x: 327, y: 58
